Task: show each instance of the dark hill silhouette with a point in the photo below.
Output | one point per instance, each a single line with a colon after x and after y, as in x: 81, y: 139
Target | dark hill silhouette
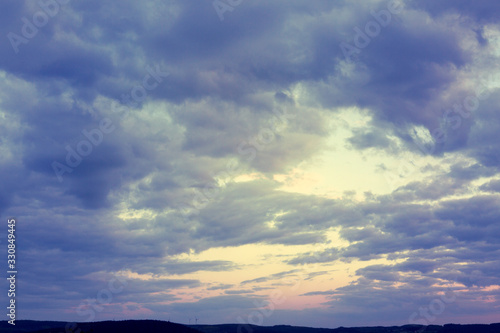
x: 125, y: 326
x: 449, y: 328
x: 157, y: 326
x: 29, y: 326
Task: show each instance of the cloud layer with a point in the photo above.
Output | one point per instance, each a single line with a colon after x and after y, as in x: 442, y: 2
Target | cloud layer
x: 322, y: 164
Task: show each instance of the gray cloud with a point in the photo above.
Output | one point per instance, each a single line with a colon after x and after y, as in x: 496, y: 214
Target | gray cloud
x: 259, y: 89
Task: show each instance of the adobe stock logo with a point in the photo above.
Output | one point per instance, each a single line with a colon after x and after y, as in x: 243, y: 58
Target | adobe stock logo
x: 427, y: 314
x: 83, y: 148
x: 95, y: 136
x: 372, y: 29
x: 49, y: 9
x: 225, y: 6
x: 250, y: 147
x: 149, y: 82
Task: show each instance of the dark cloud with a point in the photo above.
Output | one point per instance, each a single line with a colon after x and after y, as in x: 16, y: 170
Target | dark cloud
x: 365, y: 140
x: 492, y: 186
x: 482, y: 12
x: 220, y: 286
x: 193, y: 163
x: 314, y: 293
x: 271, y: 277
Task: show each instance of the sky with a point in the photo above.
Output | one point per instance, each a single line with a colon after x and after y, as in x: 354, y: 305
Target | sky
x: 314, y: 163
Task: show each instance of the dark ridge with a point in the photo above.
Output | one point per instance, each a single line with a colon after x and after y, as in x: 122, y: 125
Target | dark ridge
x: 448, y: 328
x: 157, y: 326
x: 125, y: 326
x: 29, y: 326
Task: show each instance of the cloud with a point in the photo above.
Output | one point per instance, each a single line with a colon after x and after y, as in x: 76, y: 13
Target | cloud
x: 235, y: 148
x: 271, y: 277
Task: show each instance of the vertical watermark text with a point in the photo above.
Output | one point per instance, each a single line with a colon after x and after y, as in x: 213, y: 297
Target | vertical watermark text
x: 11, y: 269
